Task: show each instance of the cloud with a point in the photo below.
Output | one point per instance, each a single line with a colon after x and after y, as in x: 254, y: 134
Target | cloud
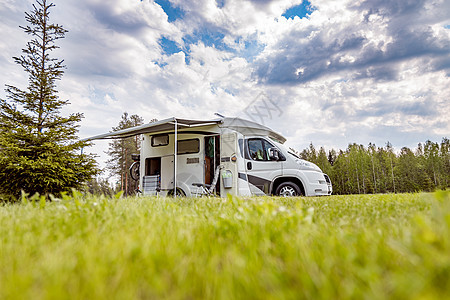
x: 385, y: 34
x: 13, y: 40
x: 364, y: 71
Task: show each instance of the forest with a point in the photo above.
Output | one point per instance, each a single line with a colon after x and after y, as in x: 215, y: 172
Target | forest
x: 372, y: 169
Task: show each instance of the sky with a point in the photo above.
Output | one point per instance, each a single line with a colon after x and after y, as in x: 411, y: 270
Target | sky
x: 329, y: 72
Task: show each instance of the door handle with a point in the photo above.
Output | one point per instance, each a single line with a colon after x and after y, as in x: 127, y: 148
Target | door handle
x: 249, y: 165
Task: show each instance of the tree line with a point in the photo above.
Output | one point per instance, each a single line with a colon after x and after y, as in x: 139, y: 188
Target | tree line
x: 366, y: 170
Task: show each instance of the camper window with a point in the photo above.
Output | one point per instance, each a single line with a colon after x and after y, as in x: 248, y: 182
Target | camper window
x: 188, y: 146
x: 258, y: 149
x: 160, y: 140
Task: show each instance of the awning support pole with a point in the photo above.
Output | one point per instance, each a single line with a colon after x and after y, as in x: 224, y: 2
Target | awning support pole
x: 175, y: 161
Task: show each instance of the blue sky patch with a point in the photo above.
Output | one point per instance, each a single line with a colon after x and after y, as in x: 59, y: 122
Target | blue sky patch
x: 173, y: 13
x: 169, y: 47
x: 303, y: 10
x: 210, y: 38
x: 252, y: 49
x: 220, y: 3
x: 447, y: 26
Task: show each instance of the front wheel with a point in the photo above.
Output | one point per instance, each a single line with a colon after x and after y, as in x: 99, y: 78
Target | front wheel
x: 288, y: 189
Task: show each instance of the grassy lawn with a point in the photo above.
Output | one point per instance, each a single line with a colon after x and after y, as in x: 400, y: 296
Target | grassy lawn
x: 338, y: 247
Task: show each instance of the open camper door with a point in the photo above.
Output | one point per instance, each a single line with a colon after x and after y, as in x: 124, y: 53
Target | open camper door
x: 228, y: 159
x: 211, y: 158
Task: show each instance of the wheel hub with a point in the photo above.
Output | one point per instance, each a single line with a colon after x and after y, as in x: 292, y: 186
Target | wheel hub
x: 288, y: 191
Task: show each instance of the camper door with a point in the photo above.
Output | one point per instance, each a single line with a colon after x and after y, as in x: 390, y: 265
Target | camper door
x: 167, y: 172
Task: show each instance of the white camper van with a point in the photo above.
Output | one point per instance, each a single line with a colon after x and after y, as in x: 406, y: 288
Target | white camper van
x: 219, y: 156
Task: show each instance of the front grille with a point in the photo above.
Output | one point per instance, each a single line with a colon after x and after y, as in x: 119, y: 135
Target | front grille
x: 327, y: 178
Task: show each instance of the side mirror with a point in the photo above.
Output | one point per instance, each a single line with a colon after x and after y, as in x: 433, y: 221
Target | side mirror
x: 273, y: 154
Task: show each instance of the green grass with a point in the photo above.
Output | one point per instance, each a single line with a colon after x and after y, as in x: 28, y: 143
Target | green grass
x: 338, y: 247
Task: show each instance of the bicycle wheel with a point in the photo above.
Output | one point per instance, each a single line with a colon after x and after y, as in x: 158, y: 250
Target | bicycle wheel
x: 134, y: 170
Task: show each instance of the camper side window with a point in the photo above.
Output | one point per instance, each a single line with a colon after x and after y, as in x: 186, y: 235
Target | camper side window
x: 188, y: 146
x: 258, y: 149
x: 160, y: 140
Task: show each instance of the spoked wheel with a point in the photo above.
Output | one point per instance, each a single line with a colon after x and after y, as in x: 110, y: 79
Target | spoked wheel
x: 134, y: 170
x: 288, y: 189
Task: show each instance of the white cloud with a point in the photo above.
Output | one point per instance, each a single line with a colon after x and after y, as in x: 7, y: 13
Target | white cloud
x: 364, y: 71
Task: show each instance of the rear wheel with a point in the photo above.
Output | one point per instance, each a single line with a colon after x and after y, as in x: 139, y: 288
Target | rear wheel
x: 288, y: 189
x: 180, y: 193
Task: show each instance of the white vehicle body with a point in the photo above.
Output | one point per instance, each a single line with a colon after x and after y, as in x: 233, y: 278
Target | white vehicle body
x: 179, y: 155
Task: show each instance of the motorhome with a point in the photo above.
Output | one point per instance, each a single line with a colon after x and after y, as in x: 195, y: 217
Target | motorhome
x: 221, y: 156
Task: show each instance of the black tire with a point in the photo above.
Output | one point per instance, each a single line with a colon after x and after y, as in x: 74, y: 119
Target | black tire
x: 134, y: 170
x: 180, y: 193
x: 288, y: 189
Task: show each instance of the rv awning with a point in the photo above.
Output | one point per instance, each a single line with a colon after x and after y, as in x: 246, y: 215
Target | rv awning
x: 243, y: 126
x: 163, y: 125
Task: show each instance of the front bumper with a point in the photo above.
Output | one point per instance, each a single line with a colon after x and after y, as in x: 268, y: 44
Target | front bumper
x: 319, y: 185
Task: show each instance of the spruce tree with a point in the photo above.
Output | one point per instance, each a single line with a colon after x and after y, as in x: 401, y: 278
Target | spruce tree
x: 39, y: 148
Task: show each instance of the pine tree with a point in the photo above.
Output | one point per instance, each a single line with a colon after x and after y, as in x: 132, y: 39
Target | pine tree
x: 39, y: 148
x: 374, y: 165
x: 120, y: 151
x: 332, y: 157
x: 432, y: 161
x: 339, y: 174
x: 99, y: 186
x: 445, y: 158
x: 390, y: 161
x: 322, y: 161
